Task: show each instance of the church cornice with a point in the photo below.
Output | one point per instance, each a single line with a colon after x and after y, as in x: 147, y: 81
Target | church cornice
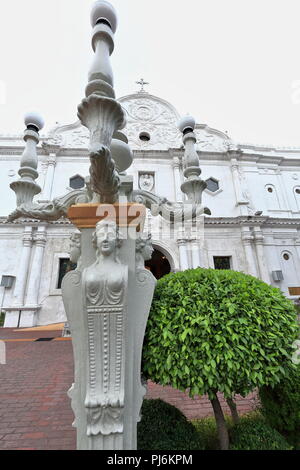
x: 33, y: 222
x: 249, y: 221
x: 252, y: 221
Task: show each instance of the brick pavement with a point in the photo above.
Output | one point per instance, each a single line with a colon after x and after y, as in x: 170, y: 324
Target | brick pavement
x: 35, y: 411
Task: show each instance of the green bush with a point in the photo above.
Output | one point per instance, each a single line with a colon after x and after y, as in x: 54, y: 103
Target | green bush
x: 2, y: 318
x: 256, y: 435
x: 164, y: 427
x: 281, y: 406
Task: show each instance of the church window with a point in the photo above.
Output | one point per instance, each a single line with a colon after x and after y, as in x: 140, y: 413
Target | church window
x: 270, y: 189
x: 286, y: 256
x: 222, y: 262
x: 77, y: 182
x: 65, y: 266
x: 145, y: 137
x: 297, y: 190
x: 212, y: 185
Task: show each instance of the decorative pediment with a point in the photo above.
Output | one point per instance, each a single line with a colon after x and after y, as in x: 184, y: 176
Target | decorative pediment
x: 152, y: 124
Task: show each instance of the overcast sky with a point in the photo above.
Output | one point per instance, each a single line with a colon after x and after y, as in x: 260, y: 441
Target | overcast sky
x: 233, y: 64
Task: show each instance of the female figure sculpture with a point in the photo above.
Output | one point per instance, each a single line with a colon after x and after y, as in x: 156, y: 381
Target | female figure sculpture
x: 144, y: 251
x: 105, y: 295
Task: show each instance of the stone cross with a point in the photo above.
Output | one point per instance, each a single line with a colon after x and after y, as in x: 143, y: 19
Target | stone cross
x: 142, y: 83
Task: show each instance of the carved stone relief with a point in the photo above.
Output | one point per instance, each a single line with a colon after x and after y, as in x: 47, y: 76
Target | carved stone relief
x: 105, y: 297
x: 146, y: 181
x: 145, y: 114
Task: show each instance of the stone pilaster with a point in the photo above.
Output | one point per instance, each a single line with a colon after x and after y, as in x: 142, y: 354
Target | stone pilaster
x: 13, y: 313
x: 196, y: 254
x: 248, y: 241
x: 29, y: 316
x: 240, y: 200
x: 261, y: 259
x: 51, y: 164
x: 177, y: 179
x: 183, y: 254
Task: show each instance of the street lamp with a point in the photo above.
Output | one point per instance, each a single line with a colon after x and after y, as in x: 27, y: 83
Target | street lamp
x: 108, y: 297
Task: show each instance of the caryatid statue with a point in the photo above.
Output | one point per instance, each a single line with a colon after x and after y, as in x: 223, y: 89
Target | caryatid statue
x: 107, y: 304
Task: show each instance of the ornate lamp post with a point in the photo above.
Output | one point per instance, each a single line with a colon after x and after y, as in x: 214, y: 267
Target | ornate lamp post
x: 108, y: 297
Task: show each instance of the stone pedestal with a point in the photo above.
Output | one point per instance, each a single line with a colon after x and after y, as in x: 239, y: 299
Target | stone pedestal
x: 183, y: 254
x: 107, y: 301
x: 28, y: 318
x: 11, y: 318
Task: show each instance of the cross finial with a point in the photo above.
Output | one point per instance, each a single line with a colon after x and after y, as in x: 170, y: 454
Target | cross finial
x: 142, y: 83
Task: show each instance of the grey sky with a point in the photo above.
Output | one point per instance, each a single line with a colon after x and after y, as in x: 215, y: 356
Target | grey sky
x: 230, y: 63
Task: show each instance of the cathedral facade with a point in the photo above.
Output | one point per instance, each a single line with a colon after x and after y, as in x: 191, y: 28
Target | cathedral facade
x: 253, y: 194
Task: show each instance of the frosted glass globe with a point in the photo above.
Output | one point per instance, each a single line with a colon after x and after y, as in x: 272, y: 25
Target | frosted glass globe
x: 34, y: 119
x: 105, y: 11
x: 187, y: 122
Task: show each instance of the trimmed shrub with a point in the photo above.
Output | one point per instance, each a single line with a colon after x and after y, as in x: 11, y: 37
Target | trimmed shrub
x: 281, y: 406
x: 212, y: 330
x: 164, y: 427
x: 215, y: 331
x: 256, y: 435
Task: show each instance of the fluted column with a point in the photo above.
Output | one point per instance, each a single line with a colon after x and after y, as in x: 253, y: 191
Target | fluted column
x: 51, y: 164
x: 183, y: 254
x: 13, y: 314
x: 240, y: 200
x: 248, y: 239
x: 261, y: 259
x: 177, y: 179
x: 28, y: 316
x: 196, y: 254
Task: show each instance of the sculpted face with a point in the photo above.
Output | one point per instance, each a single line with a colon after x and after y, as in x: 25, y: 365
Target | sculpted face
x: 75, y: 248
x: 148, y: 251
x: 106, y: 237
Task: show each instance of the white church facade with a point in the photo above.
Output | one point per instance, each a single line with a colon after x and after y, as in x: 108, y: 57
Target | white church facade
x: 253, y: 193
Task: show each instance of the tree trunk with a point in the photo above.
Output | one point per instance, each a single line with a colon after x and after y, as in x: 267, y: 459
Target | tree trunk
x: 221, y: 424
x: 233, y: 410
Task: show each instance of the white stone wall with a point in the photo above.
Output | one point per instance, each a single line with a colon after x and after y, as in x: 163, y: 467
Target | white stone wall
x: 256, y: 244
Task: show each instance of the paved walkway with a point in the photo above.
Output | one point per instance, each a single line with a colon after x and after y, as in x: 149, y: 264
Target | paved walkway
x: 35, y: 411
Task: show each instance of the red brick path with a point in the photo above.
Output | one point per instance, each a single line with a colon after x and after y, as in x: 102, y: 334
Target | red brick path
x: 35, y: 411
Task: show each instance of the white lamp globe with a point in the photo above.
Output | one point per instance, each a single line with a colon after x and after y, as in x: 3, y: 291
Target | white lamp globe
x: 34, y: 119
x: 186, y: 122
x: 121, y: 152
x: 103, y: 10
